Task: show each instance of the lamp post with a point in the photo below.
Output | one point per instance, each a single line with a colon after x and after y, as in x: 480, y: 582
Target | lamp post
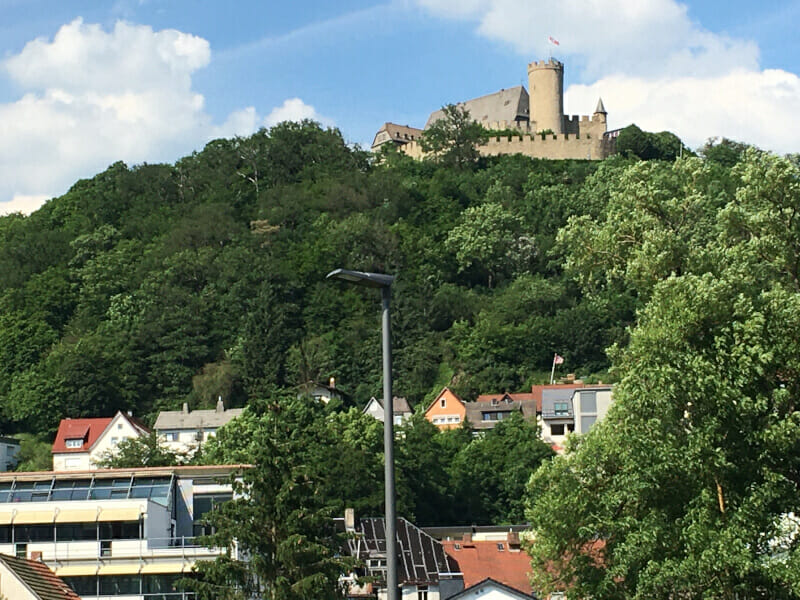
x: 384, y: 282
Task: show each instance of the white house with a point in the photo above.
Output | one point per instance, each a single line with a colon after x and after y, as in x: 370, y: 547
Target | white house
x: 568, y: 410
x: 111, y: 533
x: 81, y: 443
x: 185, y: 430
x: 400, y: 408
x: 491, y: 589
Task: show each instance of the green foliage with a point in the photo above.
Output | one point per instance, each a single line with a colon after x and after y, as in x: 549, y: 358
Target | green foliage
x: 689, y: 487
x: 665, y: 145
x: 281, y: 517
x: 453, y: 139
x: 35, y: 453
x: 145, y: 451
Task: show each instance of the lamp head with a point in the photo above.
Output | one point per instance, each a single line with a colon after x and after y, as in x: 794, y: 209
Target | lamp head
x: 374, y: 280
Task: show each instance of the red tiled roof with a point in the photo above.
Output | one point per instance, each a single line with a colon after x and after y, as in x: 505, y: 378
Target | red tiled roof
x: 479, y: 560
x: 87, y: 430
x: 44, y: 584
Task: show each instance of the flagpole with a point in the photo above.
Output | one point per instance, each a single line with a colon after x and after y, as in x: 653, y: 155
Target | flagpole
x: 553, y: 370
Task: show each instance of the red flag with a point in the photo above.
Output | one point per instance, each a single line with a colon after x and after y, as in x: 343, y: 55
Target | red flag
x: 553, y: 40
x: 557, y: 360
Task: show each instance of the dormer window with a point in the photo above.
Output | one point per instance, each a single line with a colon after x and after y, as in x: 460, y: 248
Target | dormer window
x: 561, y: 409
x: 74, y: 443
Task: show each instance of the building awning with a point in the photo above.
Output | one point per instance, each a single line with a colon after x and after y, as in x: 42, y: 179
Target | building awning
x: 131, y: 513
x: 80, y: 515
x: 34, y: 517
x: 76, y: 570
x: 166, y: 567
x: 128, y: 568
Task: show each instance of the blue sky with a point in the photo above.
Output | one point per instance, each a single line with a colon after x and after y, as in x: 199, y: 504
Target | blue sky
x: 83, y: 84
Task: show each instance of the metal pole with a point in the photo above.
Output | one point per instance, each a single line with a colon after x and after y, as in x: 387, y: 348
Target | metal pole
x: 388, y: 450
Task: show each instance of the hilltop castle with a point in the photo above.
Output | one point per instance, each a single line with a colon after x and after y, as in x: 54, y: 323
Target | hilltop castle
x: 544, y: 131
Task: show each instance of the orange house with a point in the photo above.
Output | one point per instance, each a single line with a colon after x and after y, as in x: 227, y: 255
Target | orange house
x: 447, y: 411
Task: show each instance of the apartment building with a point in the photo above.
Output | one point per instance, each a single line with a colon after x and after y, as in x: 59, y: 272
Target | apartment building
x: 115, y: 533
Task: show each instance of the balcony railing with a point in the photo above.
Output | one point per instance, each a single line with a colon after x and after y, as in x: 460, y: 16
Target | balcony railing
x: 82, y: 550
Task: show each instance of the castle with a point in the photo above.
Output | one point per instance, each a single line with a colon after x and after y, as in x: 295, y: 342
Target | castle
x: 541, y: 129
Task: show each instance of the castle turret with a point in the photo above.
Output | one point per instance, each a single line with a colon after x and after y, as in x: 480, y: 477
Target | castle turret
x: 600, y: 113
x: 546, y: 89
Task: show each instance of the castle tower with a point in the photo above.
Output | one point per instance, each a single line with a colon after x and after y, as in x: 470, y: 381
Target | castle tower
x: 600, y: 113
x: 546, y: 89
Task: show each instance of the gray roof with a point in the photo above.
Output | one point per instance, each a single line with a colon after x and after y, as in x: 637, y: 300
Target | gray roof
x: 550, y: 397
x: 195, y: 419
x: 400, y: 406
x: 475, y: 411
x: 600, y: 108
x: 506, y: 105
x: 421, y: 558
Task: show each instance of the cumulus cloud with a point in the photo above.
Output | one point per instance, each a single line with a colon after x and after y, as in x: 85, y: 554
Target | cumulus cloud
x: 650, y: 62
x: 92, y: 97
x: 294, y: 109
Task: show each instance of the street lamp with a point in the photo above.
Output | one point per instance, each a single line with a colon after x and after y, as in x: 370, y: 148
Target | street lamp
x: 384, y: 282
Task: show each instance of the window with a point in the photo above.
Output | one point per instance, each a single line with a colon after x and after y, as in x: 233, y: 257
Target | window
x: 501, y: 547
x: 105, y: 548
x: 114, y: 441
x: 74, y: 443
x: 443, y: 402
x: 561, y: 409
x: 171, y: 436
x: 72, y: 463
x: 76, y: 532
x: 21, y: 550
x: 422, y: 592
x: 557, y: 429
x: 589, y: 402
x: 201, y: 506
x: 120, y: 530
x: 587, y: 422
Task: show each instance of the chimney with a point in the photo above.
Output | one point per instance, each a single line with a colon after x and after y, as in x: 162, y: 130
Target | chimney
x: 349, y: 520
x: 467, y: 538
x: 512, y: 538
x: 220, y: 405
x: 186, y: 408
x: 130, y: 413
x: 36, y: 555
x: 332, y: 382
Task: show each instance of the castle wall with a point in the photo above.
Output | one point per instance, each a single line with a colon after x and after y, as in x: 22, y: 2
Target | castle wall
x: 589, y: 146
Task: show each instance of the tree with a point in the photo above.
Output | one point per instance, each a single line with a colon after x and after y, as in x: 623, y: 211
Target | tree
x: 453, y: 139
x: 144, y: 451
x: 690, y: 486
x: 280, y: 521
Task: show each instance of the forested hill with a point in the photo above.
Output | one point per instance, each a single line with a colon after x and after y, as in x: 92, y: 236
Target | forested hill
x: 152, y: 285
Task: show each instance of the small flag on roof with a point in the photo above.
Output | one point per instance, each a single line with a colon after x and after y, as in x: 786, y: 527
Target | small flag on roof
x: 553, y: 40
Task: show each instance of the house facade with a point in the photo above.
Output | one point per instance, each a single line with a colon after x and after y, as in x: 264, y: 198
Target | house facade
x: 400, y: 407
x: 566, y: 410
x: 185, y: 431
x: 22, y: 579
x: 447, y: 411
x: 113, y: 533
x: 81, y: 443
x: 489, y: 409
x: 424, y: 570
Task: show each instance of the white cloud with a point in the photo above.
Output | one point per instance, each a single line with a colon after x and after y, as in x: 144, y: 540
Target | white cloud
x: 650, y: 62
x: 22, y: 204
x: 92, y: 97
x: 294, y: 109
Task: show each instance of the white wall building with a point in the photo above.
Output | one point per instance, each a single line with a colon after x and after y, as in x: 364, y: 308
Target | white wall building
x: 116, y: 533
x: 572, y: 410
x: 80, y: 443
x: 400, y: 408
x: 9, y: 451
x: 184, y: 430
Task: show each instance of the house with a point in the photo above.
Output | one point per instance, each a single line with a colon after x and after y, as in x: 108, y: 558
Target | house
x: 447, y: 411
x: 572, y: 408
x: 9, y: 449
x: 424, y: 570
x: 491, y: 589
x: 113, y: 532
x: 489, y: 409
x: 400, y: 408
x: 184, y: 430
x: 322, y: 392
x: 22, y: 579
x: 81, y: 443
x: 494, y: 554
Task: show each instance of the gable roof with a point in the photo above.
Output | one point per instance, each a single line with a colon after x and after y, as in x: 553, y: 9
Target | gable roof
x: 195, y: 419
x: 398, y: 133
x: 482, y: 559
x: 490, y: 582
x: 39, y: 579
x: 445, y: 390
x: 510, y: 105
x: 421, y: 558
x: 400, y: 406
x: 88, y: 430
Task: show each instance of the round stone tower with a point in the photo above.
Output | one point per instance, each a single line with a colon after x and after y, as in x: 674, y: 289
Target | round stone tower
x: 546, y: 89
